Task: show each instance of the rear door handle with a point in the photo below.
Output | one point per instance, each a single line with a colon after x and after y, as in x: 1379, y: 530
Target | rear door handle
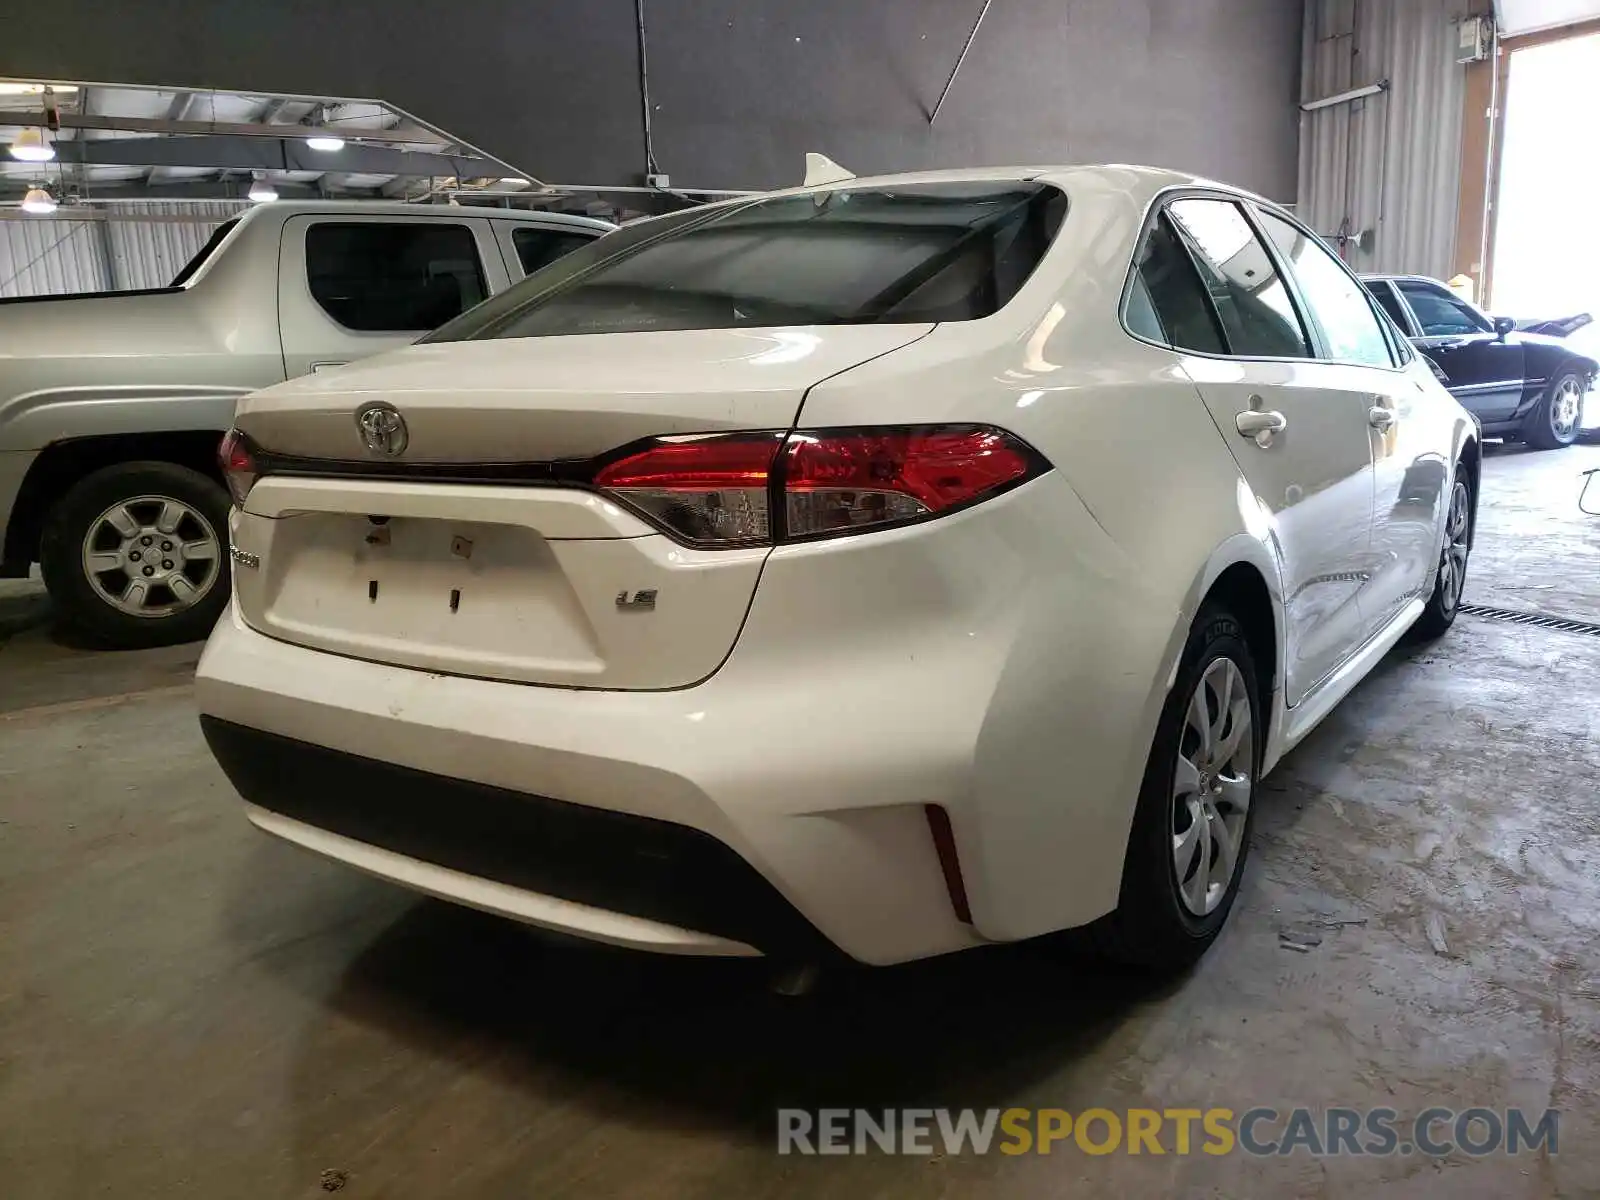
x: 1262, y: 426
x: 1381, y: 418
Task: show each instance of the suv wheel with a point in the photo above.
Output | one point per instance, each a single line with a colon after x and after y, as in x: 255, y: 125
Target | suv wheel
x: 136, y: 555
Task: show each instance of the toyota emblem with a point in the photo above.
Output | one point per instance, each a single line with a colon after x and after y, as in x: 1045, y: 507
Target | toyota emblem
x: 383, y: 429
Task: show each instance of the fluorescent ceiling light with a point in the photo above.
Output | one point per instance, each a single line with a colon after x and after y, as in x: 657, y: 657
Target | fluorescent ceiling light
x: 325, y: 141
x: 32, y: 145
x: 38, y: 201
x: 515, y: 181
x: 36, y: 89
x: 261, y: 191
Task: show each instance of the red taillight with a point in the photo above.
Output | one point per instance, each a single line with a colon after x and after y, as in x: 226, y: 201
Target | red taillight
x: 238, y: 464
x: 711, y: 491
x: 714, y: 490
x: 842, y: 480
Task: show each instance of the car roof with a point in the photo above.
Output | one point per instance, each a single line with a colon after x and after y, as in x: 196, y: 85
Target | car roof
x: 398, y: 208
x: 1141, y: 182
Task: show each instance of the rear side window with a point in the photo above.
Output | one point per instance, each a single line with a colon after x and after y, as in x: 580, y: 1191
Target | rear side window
x: 1380, y: 291
x: 392, y: 277
x: 924, y: 252
x: 538, y: 248
x: 1337, y: 301
x: 1258, y: 317
x: 1440, y: 314
x: 1168, y: 303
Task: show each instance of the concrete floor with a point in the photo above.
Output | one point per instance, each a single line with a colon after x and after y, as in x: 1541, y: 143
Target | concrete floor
x: 188, y: 1008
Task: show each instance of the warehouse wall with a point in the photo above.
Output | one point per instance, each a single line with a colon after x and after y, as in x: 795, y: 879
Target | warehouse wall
x: 44, y: 257
x: 1390, y: 164
x: 139, y: 245
x: 149, y: 243
x: 740, y: 89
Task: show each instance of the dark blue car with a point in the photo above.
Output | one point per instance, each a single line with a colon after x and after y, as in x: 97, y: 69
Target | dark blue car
x: 1524, y: 386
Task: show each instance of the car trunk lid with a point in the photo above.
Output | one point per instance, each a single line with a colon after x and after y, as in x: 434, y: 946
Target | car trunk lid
x: 520, y: 581
x: 556, y: 398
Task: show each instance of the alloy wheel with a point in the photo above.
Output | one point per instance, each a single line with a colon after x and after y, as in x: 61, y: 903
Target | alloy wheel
x: 1566, y: 406
x: 1211, y: 786
x: 1453, y: 557
x: 151, y: 556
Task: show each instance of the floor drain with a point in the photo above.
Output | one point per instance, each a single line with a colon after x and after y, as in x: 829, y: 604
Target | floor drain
x: 1536, y: 620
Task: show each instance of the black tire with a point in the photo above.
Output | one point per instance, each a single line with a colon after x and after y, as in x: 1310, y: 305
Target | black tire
x: 1543, y: 430
x: 1153, y: 928
x: 1454, y: 550
x: 69, y: 524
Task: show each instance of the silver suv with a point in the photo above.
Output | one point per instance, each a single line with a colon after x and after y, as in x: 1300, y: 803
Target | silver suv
x: 112, y: 404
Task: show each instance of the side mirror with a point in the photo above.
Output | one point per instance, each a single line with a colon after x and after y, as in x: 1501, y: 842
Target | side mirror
x: 1438, y: 371
x: 1503, y: 326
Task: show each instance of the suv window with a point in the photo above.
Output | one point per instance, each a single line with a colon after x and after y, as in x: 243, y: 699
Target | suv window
x: 538, y: 248
x: 1380, y: 291
x: 1257, y: 314
x: 922, y: 252
x: 1168, y: 302
x: 393, y: 277
x: 1439, y: 314
x: 1337, y: 300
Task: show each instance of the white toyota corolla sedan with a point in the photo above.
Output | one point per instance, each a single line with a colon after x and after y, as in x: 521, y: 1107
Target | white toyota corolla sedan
x: 876, y: 569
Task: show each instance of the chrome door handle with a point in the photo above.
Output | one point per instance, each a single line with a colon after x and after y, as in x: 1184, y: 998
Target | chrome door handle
x: 1262, y: 426
x: 1381, y: 418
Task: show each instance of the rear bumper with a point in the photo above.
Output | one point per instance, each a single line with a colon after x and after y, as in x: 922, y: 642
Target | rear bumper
x: 1005, y: 663
x: 630, y: 880
x: 682, y: 822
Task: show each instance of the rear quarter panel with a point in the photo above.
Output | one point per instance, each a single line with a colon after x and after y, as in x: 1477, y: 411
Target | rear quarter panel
x: 1094, y: 591
x: 143, y: 362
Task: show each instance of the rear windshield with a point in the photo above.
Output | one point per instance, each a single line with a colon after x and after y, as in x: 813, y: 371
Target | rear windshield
x: 928, y: 252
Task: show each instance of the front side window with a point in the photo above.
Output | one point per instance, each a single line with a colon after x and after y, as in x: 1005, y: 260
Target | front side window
x: 1439, y: 314
x: 1338, y: 303
x: 537, y: 248
x: 392, y: 277
x: 1258, y: 317
x: 923, y: 252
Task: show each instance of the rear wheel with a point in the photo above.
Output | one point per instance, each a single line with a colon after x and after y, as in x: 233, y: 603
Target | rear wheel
x: 136, y: 555
x: 1559, y: 416
x: 1451, y: 577
x: 1191, y: 829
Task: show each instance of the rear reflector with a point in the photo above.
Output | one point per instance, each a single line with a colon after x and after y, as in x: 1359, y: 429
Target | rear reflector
x: 717, y: 490
x: 944, y: 842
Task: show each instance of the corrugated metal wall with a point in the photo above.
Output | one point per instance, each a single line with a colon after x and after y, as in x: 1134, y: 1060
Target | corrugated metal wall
x: 146, y: 254
x: 136, y: 246
x: 43, y: 257
x: 1391, y: 163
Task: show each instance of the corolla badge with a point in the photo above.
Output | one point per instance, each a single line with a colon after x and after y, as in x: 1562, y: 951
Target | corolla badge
x: 383, y: 429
